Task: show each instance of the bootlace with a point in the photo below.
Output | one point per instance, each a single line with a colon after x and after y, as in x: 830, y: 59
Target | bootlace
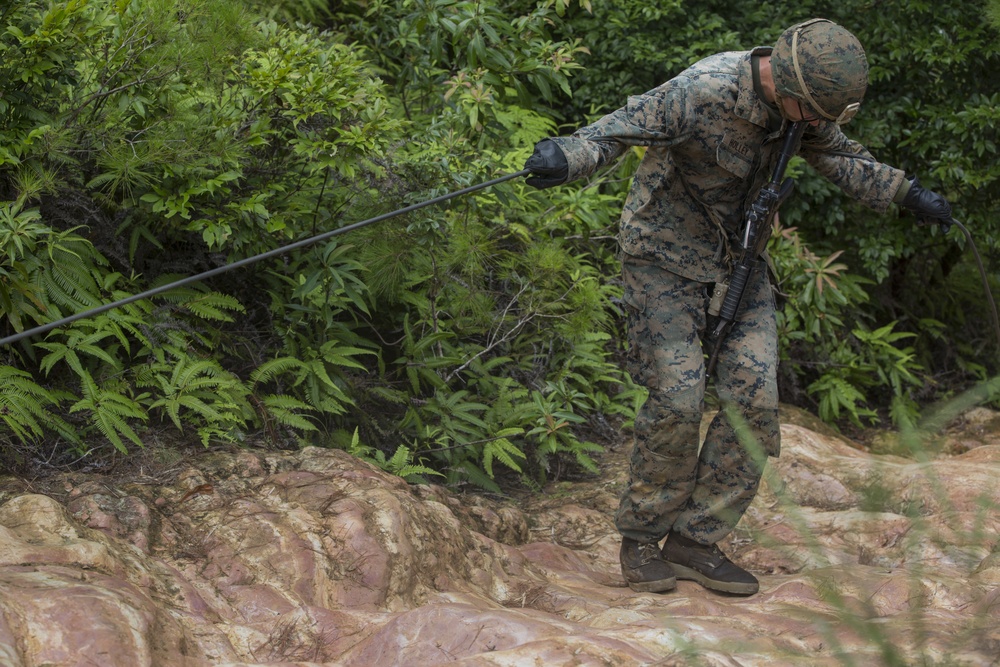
x: 648, y: 553
x: 710, y: 556
x: 716, y: 556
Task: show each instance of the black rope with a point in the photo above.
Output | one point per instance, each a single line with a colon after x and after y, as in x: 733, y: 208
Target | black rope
x: 256, y: 258
x: 985, y: 278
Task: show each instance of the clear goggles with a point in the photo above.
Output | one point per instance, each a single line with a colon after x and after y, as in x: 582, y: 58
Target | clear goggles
x: 849, y: 112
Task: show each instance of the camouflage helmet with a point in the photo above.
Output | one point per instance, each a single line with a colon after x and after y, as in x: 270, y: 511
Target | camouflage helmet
x: 822, y: 65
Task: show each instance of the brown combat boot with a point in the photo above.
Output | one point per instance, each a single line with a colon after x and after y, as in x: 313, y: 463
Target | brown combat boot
x: 708, y: 566
x: 644, y: 568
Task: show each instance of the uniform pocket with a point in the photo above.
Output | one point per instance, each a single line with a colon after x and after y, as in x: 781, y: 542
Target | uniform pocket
x: 634, y: 296
x: 634, y: 292
x: 731, y: 156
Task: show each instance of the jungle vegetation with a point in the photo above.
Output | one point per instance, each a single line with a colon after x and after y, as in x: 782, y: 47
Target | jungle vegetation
x: 146, y: 140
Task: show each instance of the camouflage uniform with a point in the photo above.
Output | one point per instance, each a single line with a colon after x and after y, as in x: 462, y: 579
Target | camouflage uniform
x: 711, y: 144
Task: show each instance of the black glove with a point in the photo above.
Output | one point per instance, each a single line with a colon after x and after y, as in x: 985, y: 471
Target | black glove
x: 548, y: 165
x: 927, y: 205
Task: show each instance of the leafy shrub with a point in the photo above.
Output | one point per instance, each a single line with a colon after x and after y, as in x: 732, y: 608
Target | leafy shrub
x: 824, y: 300
x: 184, y: 135
x: 145, y: 140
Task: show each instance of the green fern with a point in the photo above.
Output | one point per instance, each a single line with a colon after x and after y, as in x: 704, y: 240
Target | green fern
x: 356, y: 448
x: 271, y: 370
x: 34, y: 259
x: 202, y: 303
x: 20, y: 297
x: 204, y: 390
x: 130, y: 324
x: 424, y: 354
x: 95, y: 337
x: 70, y: 280
x: 401, y: 464
x: 109, y: 411
x: 837, y: 395
x: 316, y: 376
x: 468, y: 471
x: 389, y: 394
x: 287, y: 411
x: 503, y: 450
x: 78, y: 343
x: 24, y: 407
x: 582, y: 450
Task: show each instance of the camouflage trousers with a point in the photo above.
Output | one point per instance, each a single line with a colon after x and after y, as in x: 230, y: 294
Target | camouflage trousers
x: 674, y: 485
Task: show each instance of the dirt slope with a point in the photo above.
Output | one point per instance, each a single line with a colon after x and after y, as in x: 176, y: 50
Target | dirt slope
x: 313, y: 557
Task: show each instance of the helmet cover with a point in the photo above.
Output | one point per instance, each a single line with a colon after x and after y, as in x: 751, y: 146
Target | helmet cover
x: 822, y: 65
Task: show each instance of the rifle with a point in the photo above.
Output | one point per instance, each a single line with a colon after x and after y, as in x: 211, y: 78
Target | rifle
x: 756, y: 232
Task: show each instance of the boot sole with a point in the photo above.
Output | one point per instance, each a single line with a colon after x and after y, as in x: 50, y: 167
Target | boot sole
x: 658, y: 586
x: 734, y: 587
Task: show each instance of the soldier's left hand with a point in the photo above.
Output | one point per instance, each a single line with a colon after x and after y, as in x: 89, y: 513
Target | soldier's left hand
x: 926, y: 204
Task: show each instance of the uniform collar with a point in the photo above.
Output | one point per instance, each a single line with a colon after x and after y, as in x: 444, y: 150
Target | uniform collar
x: 748, y: 105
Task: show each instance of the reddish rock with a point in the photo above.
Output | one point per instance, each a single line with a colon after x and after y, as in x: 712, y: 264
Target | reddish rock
x: 315, y: 558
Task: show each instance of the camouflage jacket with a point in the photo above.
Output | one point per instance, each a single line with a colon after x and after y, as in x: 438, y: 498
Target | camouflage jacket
x: 709, y: 151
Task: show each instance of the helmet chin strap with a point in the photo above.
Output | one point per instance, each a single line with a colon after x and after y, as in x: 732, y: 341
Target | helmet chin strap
x: 779, y: 103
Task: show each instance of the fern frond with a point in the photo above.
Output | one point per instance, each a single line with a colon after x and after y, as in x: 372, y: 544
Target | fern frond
x: 61, y: 352
x: 391, y: 395
x: 109, y: 410
x: 399, y: 459
x: 332, y: 352
x: 214, y: 306
x: 580, y: 452
x: 416, y: 471
x: 23, y: 404
x: 194, y: 375
x: 127, y: 323
x: 357, y: 448
x: 202, y: 387
x: 504, y: 451
x: 208, y: 433
x: 285, y: 410
x: 269, y: 370
x: 69, y: 283
x: 196, y: 404
x: 471, y: 472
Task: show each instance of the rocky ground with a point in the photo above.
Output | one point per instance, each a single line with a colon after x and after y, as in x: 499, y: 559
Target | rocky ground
x: 315, y: 558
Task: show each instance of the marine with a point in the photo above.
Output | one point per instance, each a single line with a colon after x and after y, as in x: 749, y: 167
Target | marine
x: 711, y: 136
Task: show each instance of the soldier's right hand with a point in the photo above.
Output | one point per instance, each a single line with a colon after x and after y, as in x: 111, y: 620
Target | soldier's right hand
x: 548, y: 165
